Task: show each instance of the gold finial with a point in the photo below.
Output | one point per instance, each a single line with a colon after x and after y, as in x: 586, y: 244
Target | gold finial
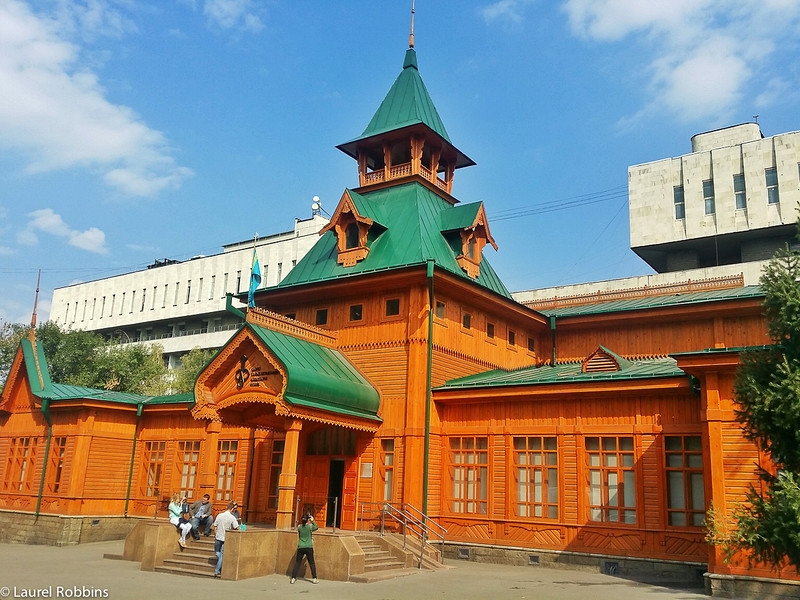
x: 411, y: 37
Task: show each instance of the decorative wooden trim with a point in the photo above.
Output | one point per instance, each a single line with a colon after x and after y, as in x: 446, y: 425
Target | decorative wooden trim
x: 283, y: 324
x: 683, y: 287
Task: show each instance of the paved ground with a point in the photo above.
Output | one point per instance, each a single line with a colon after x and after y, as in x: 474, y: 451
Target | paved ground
x: 82, y: 572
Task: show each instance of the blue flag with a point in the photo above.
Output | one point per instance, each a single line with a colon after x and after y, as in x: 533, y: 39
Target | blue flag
x: 255, y: 281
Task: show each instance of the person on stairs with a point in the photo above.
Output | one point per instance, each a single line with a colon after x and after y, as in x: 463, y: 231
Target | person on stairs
x: 177, y: 516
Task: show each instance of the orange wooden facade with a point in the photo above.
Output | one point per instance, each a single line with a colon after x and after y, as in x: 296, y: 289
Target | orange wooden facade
x: 527, y: 465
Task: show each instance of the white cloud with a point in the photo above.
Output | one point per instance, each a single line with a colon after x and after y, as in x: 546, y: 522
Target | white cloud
x: 702, y: 54
x: 46, y: 220
x: 55, y: 112
x: 230, y: 14
x: 504, y: 10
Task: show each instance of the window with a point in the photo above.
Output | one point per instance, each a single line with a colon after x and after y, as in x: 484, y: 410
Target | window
x: 739, y: 192
x: 771, y: 176
x: 708, y: 196
x: 225, y: 285
x: 153, y: 467
x: 55, y: 466
x: 238, y: 281
x: 512, y: 337
x: 686, y: 505
x: 188, y: 291
x: 21, y: 464
x: 291, y: 316
x: 133, y: 302
x: 536, y: 471
x: 393, y: 307
x: 276, y: 466
x: 155, y: 293
x: 440, y: 309
x: 177, y: 291
x: 466, y: 320
x: 387, y: 462
x: 469, y: 460
x: 164, y: 299
x: 103, y: 307
x: 199, y: 290
x: 227, y: 453
x: 355, y: 312
x: 612, y: 480
x: 188, y: 459
x: 213, y: 284
x: 531, y: 345
x: 94, y: 306
x: 86, y: 303
x: 490, y: 330
x: 351, y: 236
x: 121, y: 305
x: 680, y: 205
x: 322, y: 317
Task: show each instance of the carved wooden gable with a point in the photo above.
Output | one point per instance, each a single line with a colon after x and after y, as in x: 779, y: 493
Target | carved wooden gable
x: 473, y: 239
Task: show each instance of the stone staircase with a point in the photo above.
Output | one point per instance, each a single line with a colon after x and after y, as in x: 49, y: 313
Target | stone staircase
x: 384, y: 558
x: 196, y: 560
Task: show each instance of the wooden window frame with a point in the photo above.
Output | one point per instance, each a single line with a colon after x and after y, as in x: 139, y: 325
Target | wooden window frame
x: 55, y: 465
x: 387, y: 450
x: 611, y: 466
x: 535, y: 461
x: 360, y: 309
x: 227, y: 463
x: 188, y: 466
x: 275, y: 470
x: 317, y: 313
x: 21, y: 464
x: 153, y: 471
x: 469, y: 472
x: 680, y: 469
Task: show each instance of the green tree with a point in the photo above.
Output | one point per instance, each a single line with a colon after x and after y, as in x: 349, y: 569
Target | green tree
x: 767, y: 390
x: 192, y: 363
x: 86, y: 359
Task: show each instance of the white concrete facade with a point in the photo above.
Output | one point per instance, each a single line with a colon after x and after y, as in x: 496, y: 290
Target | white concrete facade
x: 724, y: 230
x: 181, y: 305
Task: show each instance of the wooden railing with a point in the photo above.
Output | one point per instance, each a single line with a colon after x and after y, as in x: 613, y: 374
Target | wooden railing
x: 403, y: 170
x: 277, y: 322
x: 683, y: 287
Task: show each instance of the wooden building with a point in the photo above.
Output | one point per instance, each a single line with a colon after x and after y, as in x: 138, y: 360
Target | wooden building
x: 392, y: 366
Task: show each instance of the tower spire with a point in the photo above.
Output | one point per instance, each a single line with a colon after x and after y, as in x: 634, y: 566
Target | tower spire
x: 32, y: 333
x: 411, y: 37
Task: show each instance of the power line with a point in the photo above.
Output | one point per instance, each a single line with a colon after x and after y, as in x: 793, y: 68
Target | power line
x: 563, y: 204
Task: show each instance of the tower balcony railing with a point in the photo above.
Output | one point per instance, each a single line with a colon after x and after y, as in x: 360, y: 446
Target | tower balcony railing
x: 403, y: 170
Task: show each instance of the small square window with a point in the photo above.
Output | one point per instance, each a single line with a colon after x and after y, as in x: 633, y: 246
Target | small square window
x: 393, y: 307
x: 466, y: 320
x: 356, y: 312
x: 490, y: 330
x: 439, y: 309
x: 531, y: 345
x: 322, y: 317
x: 512, y: 338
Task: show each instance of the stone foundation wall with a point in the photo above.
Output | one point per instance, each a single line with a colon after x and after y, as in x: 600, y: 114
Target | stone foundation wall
x: 746, y: 588
x: 654, y: 571
x: 59, y: 530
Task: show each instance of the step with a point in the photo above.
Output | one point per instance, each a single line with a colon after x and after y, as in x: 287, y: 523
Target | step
x: 373, y: 576
x: 186, y: 571
x: 192, y: 564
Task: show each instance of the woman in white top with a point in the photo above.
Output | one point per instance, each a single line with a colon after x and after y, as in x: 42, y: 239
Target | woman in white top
x: 175, y: 517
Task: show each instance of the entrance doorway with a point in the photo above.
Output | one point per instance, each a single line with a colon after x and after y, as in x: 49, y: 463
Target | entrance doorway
x: 335, y: 488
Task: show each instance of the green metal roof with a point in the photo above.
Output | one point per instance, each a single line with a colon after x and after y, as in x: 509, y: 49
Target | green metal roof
x: 566, y: 373
x: 408, y: 103
x: 413, y: 235
x: 459, y: 217
x: 320, y: 377
x: 649, y: 302
x: 61, y: 391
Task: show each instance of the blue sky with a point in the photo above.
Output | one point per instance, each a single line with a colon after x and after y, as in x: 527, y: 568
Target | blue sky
x: 139, y: 129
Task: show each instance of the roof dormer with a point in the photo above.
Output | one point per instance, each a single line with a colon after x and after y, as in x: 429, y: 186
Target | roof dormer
x: 603, y: 360
x: 350, y: 228
x: 470, y: 222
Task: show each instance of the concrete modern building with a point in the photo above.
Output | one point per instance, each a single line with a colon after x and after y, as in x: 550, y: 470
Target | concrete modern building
x: 181, y: 304
x: 732, y: 200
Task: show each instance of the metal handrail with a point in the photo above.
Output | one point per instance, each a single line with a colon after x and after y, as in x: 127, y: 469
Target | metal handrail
x: 406, y: 516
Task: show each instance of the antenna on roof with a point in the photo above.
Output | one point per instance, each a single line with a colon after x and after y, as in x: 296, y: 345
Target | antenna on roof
x: 411, y: 37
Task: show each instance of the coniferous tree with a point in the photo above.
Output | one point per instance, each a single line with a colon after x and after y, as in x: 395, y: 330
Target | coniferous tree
x: 767, y: 391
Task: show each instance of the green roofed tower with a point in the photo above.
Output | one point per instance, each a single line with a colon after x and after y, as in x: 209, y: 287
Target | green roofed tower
x: 406, y: 137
